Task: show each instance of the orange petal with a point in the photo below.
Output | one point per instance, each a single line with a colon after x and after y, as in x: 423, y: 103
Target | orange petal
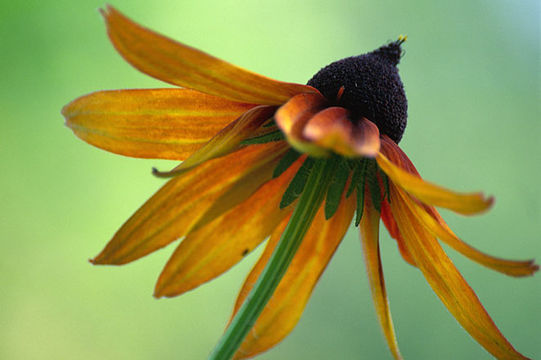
x: 153, y: 123
x: 431, y: 194
x: 180, y: 204
x: 392, y: 227
x: 448, y: 284
x: 437, y: 227
x: 366, y: 139
x: 390, y: 149
x: 292, y: 117
x: 369, y: 228
x: 332, y: 129
x: 212, y: 249
x: 228, y: 139
x: 285, y: 308
x: 178, y: 64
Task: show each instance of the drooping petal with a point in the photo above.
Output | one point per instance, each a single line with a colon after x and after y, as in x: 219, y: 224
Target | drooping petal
x: 448, y: 283
x: 392, y: 227
x: 153, y: 123
x: 182, y: 201
x: 178, y: 64
x: 437, y: 227
x: 284, y: 309
x: 466, y: 204
x: 397, y: 156
x: 214, y: 248
x: 366, y: 139
x: 332, y: 129
x: 369, y: 228
x: 228, y: 139
x: 292, y: 117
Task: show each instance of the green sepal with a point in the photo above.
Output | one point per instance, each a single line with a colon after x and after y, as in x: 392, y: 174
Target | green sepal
x: 373, y: 185
x: 289, y: 158
x: 263, y: 139
x: 296, y: 186
x: 358, y: 167
x: 360, y: 202
x: 360, y: 186
x: 336, y: 187
x: 269, y: 123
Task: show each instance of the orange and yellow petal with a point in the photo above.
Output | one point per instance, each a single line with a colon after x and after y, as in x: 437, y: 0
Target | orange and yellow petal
x: 153, y: 123
x: 431, y: 194
x: 285, y: 308
x: 228, y: 139
x: 437, y: 227
x: 392, y: 228
x: 178, y: 64
x: 369, y: 228
x: 218, y: 245
x: 177, y: 207
x: 448, y: 283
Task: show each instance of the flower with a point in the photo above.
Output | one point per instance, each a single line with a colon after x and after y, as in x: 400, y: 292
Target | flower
x: 250, y: 146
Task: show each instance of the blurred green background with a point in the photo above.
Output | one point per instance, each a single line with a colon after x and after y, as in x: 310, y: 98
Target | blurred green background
x: 471, y: 72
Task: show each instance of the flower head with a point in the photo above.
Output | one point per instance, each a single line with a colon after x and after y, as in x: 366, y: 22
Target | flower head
x: 267, y: 158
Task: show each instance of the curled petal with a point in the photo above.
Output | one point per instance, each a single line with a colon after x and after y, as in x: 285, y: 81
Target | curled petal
x: 369, y: 228
x: 285, y: 308
x: 366, y: 139
x: 437, y: 227
x: 153, y: 123
x: 292, y: 117
x: 177, y: 207
x: 227, y: 140
x: 428, y: 193
x: 395, y: 154
x: 448, y: 283
x: 332, y: 129
x: 213, y: 248
x: 178, y: 64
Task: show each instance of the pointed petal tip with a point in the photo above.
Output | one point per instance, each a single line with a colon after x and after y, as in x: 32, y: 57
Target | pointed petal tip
x: 164, y: 289
x: 159, y: 289
x: 107, y: 11
x: 98, y: 260
x: 157, y: 293
x: 488, y: 203
x: 533, y: 266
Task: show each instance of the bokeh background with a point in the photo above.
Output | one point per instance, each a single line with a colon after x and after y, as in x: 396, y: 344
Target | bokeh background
x: 471, y: 72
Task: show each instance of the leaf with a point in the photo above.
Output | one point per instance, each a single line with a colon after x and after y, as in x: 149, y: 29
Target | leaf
x: 360, y: 185
x: 296, y: 186
x: 336, y: 188
x: 273, y: 136
x: 289, y: 158
x: 373, y: 185
x: 355, y: 166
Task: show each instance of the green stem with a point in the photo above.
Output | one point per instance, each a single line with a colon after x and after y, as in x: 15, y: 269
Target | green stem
x: 305, y: 211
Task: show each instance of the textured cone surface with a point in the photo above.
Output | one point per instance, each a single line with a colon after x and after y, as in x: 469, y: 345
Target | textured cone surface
x: 372, y: 88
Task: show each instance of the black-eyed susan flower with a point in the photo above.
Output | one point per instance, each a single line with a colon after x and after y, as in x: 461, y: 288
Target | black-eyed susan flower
x: 294, y: 162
